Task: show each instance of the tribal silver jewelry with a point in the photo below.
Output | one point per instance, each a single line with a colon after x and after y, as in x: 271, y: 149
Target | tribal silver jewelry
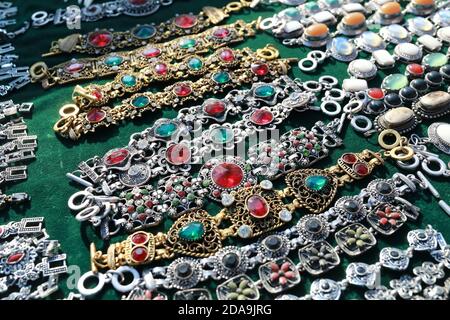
x: 16, y: 147
x: 30, y: 262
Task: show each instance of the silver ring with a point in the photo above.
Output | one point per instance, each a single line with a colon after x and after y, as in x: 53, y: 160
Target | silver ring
x: 354, y: 106
x: 89, y: 292
x: 317, y: 55
x: 357, y: 127
x: 120, y: 271
x: 335, y: 112
x: 266, y: 23
x: 304, y: 68
x: 437, y: 173
x: 409, y: 166
x: 87, y: 213
x: 330, y: 80
x: 83, y: 204
x: 335, y: 94
x: 312, y: 86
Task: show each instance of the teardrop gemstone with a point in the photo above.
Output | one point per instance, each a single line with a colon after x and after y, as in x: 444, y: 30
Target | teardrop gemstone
x: 316, y: 182
x: 192, y: 231
x: 15, y: 258
x: 257, y: 206
x: 116, y: 157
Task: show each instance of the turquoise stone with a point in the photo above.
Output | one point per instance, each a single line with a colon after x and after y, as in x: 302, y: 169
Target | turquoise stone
x: 312, y: 6
x: 221, y: 77
x: 435, y: 60
x: 192, y: 231
x: 264, y: 91
x: 144, y: 32
x: 397, y: 31
x: 187, y: 43
x: 291, y: 13
x: 316, y: 183
x: 343, y: 46
x: 222, y: 135
x: 166, y: 129
x: 195, y: 64
x: 129, y: 80
x: 140, y: 101
x: 395, y: 82
x: 333, y: 3
x: 112, y: 61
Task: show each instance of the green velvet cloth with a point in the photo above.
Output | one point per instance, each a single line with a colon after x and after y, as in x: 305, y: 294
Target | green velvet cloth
x: 50, y: 189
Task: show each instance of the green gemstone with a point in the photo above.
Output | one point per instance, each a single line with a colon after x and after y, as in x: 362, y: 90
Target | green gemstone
x: 206, y: 183
x: 301, y: 135
x: 175, y: 202
x: 166, y: 129
x: 190, y: 196
x: 395, y: 82
x: 221, y: 77
x: 195, y: 64
x: 129, y: 80
x: 112, y: 61
x: 435, y: 60
x: 306, y: 153
x: 192, y: 231
x: 140, y: 209
x: 222, y: 135
x: 129, y: 196
x: 144, y: 32
x: 316, y: 183
x: 264, y: 91
x: 317, y: 146
x: 140, y: 101
x: 144, y: 191
x: 187, y: 43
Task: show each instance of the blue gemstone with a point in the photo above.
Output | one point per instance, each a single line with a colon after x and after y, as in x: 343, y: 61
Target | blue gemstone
x: 316, y: 183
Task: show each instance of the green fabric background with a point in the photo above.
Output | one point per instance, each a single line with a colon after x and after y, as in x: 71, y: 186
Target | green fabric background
x: 50, y: 189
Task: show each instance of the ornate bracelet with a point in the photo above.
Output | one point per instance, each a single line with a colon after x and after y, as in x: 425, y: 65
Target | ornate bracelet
x: 75, y: 123
x: 110, y: 64
x: 28, y: 258
x: 104, y: 41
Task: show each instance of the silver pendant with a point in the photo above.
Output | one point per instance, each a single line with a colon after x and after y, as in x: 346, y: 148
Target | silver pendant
x: 442, y: 18
x: 395, y: 34
x: 342, y: 49
x: 408, y: 52
x: 444, y: 34
x: 362, y: 69
x: 420, y: 26
x: 439, y: 135
x: 370, y: 41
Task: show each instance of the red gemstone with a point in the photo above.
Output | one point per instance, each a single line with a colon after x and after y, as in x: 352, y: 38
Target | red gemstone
x: 95, y: 115
x: 161, y: 69
x: 139, y: 238
x: 130, y: 209
x: 214, y: 107
x: 100, y: 39
x: 97, y: 94
x: 142, y: 216
x: 361, y: 169
x: 216, y: 193
x: 260, y: 69
x: 375, y: 93
x: 182, y: 194
x: 227, y: 175
x: 261, y: 117
x: 185, y: 21
x: 415, y: 69
x: 257, y: 206
x: 221, y: 33
x: 151, y: 52
x: 178, y: 154
x: 308, y: 146
x: 116, y: 157
x: 349, y: 158
x: 138, y: 2
x: 74, y: 67
x: 139, y: 254
x: 149, y: 204
x: 14, y: 258
x: 227, y: 55
x: 182, y: 90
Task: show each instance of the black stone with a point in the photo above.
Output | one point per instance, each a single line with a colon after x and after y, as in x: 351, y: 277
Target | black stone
x: 360, y: 270
x: 384, y: 188
x: 273, y: 242
x: 408, y: 93
x: 393, y: 100
x: 231, y: 260
x: 351, y: 206
x: 183, y: 270
x: 394, y: 254
x: 419, y: 84
x: 376, y: 106
x: 313, y: 225
x: 433, y: 78
x: 445, y: 71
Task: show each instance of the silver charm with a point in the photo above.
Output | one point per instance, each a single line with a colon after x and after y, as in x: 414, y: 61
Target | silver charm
x: 325, y: 289
x: 406, y: 286
x: 439, y: 135
x: 240, y: 287
x: 420, y: 26
x: 279, y: 275
x: 395, y: 34
x: 229, y: 262
x: 370, y: 41
x: 423, y: 239
x: 429, y: 273
x: 393, y: 258
x: 361, y: 274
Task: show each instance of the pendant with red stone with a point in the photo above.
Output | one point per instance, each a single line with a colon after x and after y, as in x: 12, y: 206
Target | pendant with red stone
x: 178, y: 154
x: 185, y: 21
x: 226, y: 55
x: 95, y: 115
x: 116, y: 157
x: 139, y: 238
x: 261, y: 117
x: 151, y: 52
x: 214, y: 108
x: 260, y: 68
x: 224, y: 174
x: 221, y: 33
x: 139, y: 254
x: 257, y: 206
x: 361, y: 169
x: 182, y: 89
x: 375, y: 93
x: 74, y: 67
x: 349, y: 158
x: 100, y: 39
x: 415, y: 70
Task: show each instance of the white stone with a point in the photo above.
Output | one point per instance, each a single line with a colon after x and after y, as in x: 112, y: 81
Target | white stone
x: 266, y: 184
x: 292, y: 26
x: 353, y: 7
x: 443, y: 132
x: 227, y: 199
x: 354, y: 85
x: 362, y: 66
x: 244, y: 231
x: 285, y: 215
x: 324, y: 17
x: 405, y: 50
x: 444, y: 34
x: 383, y: 58
x: 430, y: 43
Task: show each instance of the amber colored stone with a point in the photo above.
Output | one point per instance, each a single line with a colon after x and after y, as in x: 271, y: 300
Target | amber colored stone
x: 391, y: 8
x: 354, y: 19
x: 317, y: 30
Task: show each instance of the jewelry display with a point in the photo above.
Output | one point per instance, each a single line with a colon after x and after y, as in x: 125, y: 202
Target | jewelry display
x: 74, y: 123
x: 30, y: 262
x: 102, y: 41
x: 110, y: 64
x: 16, y: 148
x: 19, y: 75
x: 116, y: 189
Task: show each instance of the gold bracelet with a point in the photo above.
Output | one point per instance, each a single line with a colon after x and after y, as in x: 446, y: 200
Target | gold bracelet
x: 129, y: 81
x: 110, y: 64
x: 104, y: 41
x: 199, y: 234
x: 74, y: 122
